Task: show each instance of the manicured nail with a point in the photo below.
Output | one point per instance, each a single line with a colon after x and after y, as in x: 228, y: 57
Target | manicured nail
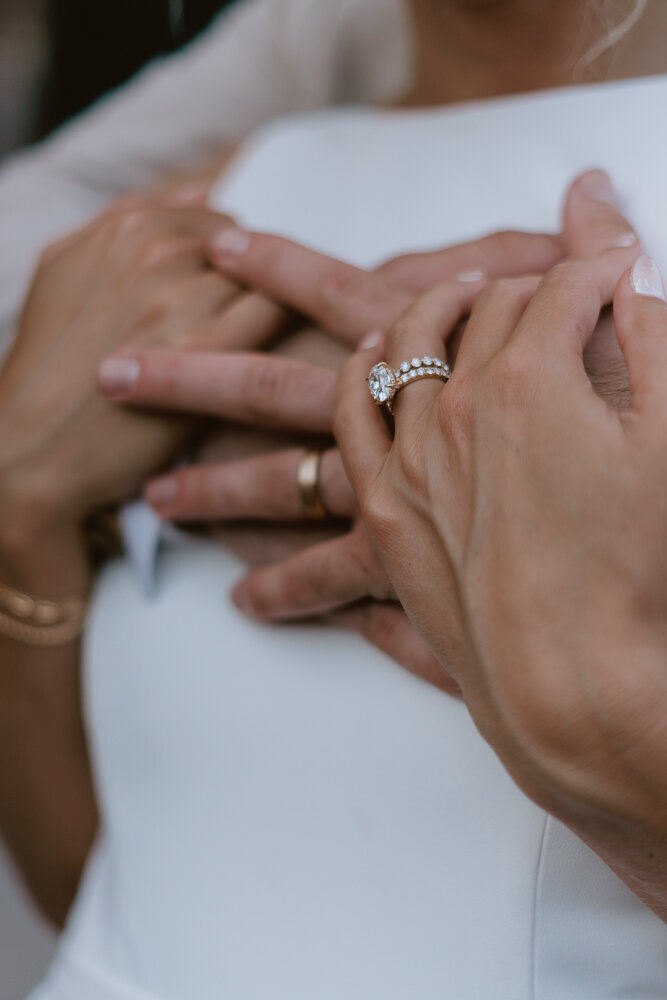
x: 597, y: 186
x: 162, y: 492
x: 626, y: 240
x: 370, y: 340
x: 118, y: 376
x: 470, y: 277
x: 230, y: 242
x: 646, y: 278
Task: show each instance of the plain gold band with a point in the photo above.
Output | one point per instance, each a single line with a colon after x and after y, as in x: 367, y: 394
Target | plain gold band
x: 308, y: 481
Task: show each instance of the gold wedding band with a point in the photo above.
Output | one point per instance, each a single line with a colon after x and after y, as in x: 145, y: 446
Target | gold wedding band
x: 308, y: 481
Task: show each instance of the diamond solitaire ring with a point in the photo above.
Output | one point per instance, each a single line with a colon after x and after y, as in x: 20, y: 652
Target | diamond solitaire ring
x: 385, y: 382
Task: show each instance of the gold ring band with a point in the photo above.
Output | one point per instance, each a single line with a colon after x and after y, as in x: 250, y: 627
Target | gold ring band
x: 385, y: 382
x: 308, y: 481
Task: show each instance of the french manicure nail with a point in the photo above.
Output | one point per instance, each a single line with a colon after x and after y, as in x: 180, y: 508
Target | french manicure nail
x: 370, y: 340
x: 119, y: 375
x: 647, y: 278
x: 471, y: 277
x: 597, y: 186
x: 231, y: 242
x: 162, y: 492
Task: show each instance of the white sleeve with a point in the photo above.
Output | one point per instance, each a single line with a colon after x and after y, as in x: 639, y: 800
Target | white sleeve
x: 238, y: 75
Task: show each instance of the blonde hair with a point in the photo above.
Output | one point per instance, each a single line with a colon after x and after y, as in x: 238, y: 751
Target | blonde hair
x: 614, y: 32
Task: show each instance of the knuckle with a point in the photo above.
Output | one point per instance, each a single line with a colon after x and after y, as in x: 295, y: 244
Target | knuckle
x: 498, y: 247
x: 158, y: 251
x: 379, y: 514
x: 125, y: 221
x: 566, y: 276
x: 381, y: 626
x: 266, y: 385
x: 341, y: 288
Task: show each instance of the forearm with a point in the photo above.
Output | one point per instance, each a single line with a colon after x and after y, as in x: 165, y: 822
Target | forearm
x: 47, y: 804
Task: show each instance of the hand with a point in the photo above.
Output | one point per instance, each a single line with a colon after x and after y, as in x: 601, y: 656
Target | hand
x: 350, y: 302
x: 289, y: 396
x: 523, y: 524
x: 346, y: 570
x: 137, y: 275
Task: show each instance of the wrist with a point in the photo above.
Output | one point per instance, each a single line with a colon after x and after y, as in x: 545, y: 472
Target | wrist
x: 41, y: 547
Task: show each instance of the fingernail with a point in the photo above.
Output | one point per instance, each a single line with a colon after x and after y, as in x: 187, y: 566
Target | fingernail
x: 162, y: 492
x: 119, y: 375
x: 646, y: 278
x: 188, y: 194
x: 626, y: 240
x: 370, y: 340
x: 230, y: 242
x: 240, y: 599
x: 470, y: 277
x: 597, y: 186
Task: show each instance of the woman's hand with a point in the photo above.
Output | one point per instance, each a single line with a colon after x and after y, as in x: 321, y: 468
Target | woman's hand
x: 286, y: 396
x: 523, y: 524
x: 347, y: 570
x: 137, y: 275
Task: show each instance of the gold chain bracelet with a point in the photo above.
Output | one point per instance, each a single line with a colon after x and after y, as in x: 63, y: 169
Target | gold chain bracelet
x: 37, y: 622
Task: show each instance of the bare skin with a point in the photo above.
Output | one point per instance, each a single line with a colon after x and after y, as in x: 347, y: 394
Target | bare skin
x: 40, y: 543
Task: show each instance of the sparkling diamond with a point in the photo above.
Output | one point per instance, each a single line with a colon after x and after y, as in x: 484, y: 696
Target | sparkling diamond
x: 421, y: 371
x: 381, y: 381
x: 405, y: 367
x: 405, y: 378
x: 416, y: 362
x: 438, y: 362
x: 427, y: 360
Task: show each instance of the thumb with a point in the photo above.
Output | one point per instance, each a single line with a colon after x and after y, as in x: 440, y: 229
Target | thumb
x: 592, y: 220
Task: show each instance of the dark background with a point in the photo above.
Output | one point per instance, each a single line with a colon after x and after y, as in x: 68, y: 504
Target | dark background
x: 58, y: 56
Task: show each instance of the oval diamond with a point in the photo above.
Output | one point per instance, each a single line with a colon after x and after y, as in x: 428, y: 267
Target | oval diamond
x: 381, y: 382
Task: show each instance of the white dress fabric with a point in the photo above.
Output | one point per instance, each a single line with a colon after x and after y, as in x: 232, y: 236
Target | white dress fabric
x: 287, y: 813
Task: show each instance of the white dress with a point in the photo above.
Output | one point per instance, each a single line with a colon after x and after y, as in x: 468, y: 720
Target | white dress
x: 287, y: 814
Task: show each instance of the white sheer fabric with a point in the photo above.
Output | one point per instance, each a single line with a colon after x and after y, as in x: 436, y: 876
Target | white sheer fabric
x: 287, y: 813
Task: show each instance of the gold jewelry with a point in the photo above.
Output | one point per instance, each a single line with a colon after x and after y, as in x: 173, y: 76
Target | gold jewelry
x: 37, y: 622
x: 308, y: 481
x: 385, y: 383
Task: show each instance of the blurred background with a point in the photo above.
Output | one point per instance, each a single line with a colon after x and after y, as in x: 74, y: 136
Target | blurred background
x: 56, y: 58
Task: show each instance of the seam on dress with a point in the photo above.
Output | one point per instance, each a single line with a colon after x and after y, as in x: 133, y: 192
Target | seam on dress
x: 536, y: 892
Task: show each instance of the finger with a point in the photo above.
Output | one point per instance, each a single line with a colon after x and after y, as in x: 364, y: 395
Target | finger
x: 359, y: 426
x: 260, y: 488
x: 592, y: 221
x: 251, y: 323
x: 249, y: 388
x: 641, y: 327
x: 314, y: 581
x: 387, y: 627
x: 419, y: 338
x: 506, y: 254
x: 562, y: 315
x: 494, y: 317
x: 183, y: 312
x: 345, y: 300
